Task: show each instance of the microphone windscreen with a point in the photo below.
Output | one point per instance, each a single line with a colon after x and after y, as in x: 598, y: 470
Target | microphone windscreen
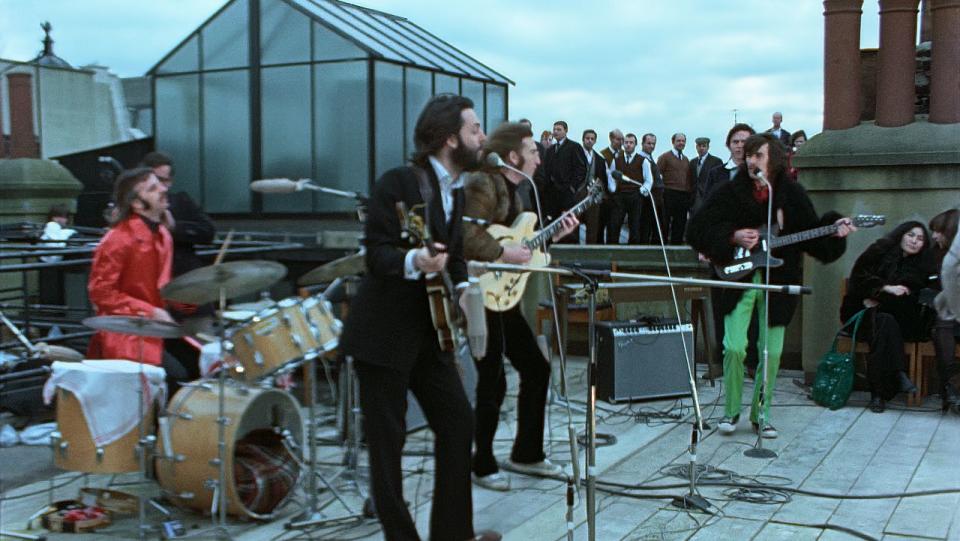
x: 274, y: 185
x: 476, y: 319
x: 493, y: 160
x: 616, y: 174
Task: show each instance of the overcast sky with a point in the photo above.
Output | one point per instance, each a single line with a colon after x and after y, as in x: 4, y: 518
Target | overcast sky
x: 643, y: 66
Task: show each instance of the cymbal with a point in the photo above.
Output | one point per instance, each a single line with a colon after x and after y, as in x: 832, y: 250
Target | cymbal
x: 338, y: 268
x: 203, y: 285
x: 57, y: 353
x: 137, y: 326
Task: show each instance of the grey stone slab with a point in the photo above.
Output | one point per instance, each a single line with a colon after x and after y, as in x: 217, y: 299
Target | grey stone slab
x: 786, y: 532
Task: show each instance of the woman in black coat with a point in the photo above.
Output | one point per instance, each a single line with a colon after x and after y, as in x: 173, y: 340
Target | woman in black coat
x: 886, y: 279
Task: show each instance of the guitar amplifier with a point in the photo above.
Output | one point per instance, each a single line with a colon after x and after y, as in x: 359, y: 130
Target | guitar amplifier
x: 639, y: 361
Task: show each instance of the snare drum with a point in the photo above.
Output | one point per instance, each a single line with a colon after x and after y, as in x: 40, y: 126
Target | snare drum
x: 324, y: 326
x: 267, y: 342
x: 188, y: 441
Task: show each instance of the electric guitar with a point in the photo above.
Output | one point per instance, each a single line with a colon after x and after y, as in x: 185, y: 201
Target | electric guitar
x: 447, y: 317
x: 746, y: 261
x: 503, y: 290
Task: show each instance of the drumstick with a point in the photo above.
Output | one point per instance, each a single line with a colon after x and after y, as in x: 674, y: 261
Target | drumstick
x: 223, y: 249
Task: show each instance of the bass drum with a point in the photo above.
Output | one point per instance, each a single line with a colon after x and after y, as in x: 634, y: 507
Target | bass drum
x: 261, y: 472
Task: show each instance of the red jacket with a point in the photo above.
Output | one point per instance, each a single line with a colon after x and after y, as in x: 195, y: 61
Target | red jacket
x: 130, y: 266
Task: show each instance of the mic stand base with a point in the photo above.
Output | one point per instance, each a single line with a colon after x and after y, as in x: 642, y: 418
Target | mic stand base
x: 760, y: 452
x: 693, y: 501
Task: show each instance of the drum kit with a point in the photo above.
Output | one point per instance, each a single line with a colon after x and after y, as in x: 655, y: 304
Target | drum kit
x: 211, y: 428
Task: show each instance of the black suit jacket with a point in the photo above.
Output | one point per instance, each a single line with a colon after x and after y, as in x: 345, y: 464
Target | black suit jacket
x: 562, y: 172
x: 784, y: 136
x: 193, y: 226
x: 700, y: 181
x: 390, y: 314
x: 598, y: 171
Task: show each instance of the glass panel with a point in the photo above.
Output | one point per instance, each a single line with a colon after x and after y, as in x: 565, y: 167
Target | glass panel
x: 496, y: 106
x: 226, y: 141
x: 335, y: 15
x: 389, y: 116
x: 178, y: 129
x: 474, y: 91
x: 342, y: 156
x: 186, y: 58
x: 284, y: 34
x: 286, y: 134
x: 225, y: 39
x: 418, y: 94
x: 394, y: 36
x: 328, y: 45
x: 446, y: 84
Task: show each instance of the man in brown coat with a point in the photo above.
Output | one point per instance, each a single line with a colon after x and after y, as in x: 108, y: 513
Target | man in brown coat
x: 678, y: 189
x: 491, y: 198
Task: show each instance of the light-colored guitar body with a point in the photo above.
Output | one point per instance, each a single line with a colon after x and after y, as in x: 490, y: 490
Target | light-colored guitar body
x: 503, y: 290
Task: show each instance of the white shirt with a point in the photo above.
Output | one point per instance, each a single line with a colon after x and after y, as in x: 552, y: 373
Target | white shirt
x: 647, y: 172
x: 54, y: 231
x: 732, y: 167
x: 447, y: 185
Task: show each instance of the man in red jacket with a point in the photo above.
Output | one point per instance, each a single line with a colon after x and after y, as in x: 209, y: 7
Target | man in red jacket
x: 130, y: 265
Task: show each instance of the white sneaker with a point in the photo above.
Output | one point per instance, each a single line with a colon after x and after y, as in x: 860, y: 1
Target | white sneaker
x: 495, y: 481
x: 728, y: 425
x: 544, y: 468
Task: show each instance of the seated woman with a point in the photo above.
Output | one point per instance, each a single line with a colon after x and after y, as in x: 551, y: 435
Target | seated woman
x: 943, y: 229
x: 886, y: 279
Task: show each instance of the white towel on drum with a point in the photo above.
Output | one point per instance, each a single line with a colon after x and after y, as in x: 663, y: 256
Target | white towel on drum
x: 210, y: 359
x: 108, y: 393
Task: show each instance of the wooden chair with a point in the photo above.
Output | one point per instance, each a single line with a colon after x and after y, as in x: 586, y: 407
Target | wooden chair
x: 575, y: 314
x: 927, y: 364
x: 910, y: 349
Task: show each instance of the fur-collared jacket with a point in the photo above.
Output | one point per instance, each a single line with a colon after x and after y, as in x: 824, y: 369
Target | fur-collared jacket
x: 732, y: 206
x: 490, y: 199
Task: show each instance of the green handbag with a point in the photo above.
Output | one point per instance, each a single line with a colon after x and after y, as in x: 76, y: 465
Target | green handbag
x: 834, y: 381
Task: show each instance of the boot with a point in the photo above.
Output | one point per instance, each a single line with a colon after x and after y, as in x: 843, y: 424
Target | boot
x: 906, y: 386
x: 950, y: 398
x: 877, y: 404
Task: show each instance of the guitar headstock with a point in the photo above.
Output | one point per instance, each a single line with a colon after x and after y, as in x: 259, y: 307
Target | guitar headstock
x: 869, y: 220
x: 595, y: 192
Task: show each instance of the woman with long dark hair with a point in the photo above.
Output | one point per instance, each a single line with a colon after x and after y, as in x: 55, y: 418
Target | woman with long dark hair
x: 943, y: 228
x: 886, y: 280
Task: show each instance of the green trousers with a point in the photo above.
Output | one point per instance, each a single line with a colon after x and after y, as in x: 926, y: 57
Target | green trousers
x: 735, y: 327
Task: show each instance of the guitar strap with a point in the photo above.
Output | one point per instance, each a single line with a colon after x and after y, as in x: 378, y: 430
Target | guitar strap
x: 426, y: 193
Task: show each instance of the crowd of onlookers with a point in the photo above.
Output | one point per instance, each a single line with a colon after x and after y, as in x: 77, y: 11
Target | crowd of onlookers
x: 650, y: 190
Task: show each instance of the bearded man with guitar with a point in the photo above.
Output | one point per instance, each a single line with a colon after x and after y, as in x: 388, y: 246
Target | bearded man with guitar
x: 492, y: 200
x: 390, y: 331
x: 731, y: 218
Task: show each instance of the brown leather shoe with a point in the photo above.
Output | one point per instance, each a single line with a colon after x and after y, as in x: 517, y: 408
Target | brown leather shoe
x: 487, y: 535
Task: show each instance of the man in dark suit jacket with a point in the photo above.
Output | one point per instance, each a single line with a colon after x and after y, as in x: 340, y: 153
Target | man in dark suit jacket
x: 701, y: 166
x: 781, y: 134
x: 595, y: 167
x: 561, y: 173
x: 390, y: 334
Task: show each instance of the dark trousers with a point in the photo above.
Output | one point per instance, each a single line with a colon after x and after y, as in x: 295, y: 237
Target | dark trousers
x: 508, y: 333
x: 945, y: 343
x: 648, y: 224
x: 624, y: 205
x: 676, y: 205
x: 591, y: 220
x: 181, y: 362
x: 886, y: 353
x: 383, y: 402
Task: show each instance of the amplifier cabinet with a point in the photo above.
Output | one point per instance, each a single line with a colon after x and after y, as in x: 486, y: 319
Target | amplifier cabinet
x: 637, y: 361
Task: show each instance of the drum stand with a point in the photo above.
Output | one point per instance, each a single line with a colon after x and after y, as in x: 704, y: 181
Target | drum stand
x: 311, y: 516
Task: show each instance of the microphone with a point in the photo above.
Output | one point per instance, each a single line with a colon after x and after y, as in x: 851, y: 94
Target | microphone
x: 796, y: 290
x: 617, y: 175
x: 476, y: 268
x: 476, y: 319
x: 493, y: 160
x: 278, y: 185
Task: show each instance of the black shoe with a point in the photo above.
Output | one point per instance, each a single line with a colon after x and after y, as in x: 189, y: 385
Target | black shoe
x: 487, y: 535
x: 950, y: 398
x: 906, y: 386
x: 877, y: 405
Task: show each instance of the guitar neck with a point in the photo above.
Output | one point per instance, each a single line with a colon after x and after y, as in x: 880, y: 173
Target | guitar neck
x: 540, y: 239
x: 801, y: 236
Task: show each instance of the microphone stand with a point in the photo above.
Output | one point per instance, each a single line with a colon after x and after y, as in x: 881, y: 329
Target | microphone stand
x: 478, y: 268
x: 758, y: 451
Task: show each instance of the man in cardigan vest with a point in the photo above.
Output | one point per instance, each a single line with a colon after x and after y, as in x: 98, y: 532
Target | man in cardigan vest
x: 678, y: 189
x: 626, y: 196
x: 491, y: 197
x: 607, y: 205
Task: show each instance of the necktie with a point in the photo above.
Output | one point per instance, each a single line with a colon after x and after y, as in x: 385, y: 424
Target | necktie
x: 699, y: 165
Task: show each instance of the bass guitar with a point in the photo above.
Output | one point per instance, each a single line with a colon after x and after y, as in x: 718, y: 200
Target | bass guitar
x: 746, y: 261
x: 503, y: 290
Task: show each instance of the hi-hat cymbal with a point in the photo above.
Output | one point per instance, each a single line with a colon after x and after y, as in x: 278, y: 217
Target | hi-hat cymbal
x: 338, y: 268
x: 57, y: 353
x: 203, y: 285
x: 137, y: 326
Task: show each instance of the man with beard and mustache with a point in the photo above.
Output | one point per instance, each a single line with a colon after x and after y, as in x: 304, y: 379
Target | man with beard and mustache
x: 390, y: 334
x: 491, y: 198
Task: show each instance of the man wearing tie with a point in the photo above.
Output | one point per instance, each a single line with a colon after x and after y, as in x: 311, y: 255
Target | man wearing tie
x: 595, y: 167
x: 781, y: 134
x: 561, y: 173
x: 701, y: 165
x: 678, y: 189
x: 626, y: 196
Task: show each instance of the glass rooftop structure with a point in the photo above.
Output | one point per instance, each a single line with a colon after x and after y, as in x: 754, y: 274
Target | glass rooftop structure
x: 317, y: 89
